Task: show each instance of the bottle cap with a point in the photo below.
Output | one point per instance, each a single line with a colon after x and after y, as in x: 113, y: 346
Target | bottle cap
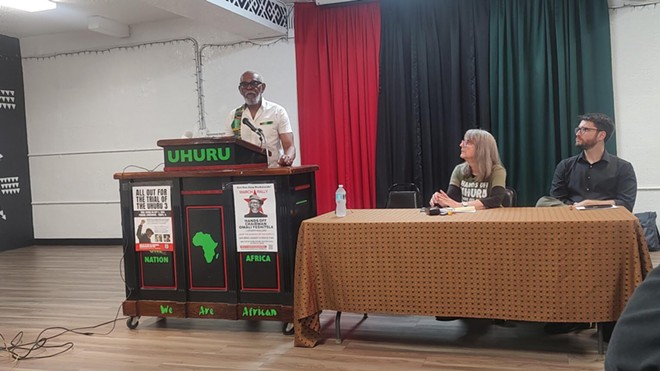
x: 341, y: 185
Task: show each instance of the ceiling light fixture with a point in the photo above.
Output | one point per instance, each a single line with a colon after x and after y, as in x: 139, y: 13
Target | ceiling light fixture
x: 29, y: 5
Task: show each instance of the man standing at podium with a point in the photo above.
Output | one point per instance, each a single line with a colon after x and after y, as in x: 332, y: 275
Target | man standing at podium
x: 258, y: 120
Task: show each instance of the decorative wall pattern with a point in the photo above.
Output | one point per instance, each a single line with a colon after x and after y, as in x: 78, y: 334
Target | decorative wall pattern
x: 270, y: 10
x: 7, y: 99
x: 9, y: 185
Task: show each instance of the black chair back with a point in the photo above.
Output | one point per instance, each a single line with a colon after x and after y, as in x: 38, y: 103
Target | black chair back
x: 510, y: 198
x: 403, y: 196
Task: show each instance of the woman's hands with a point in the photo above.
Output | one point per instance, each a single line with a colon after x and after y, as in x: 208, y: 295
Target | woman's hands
x: 442, y: 199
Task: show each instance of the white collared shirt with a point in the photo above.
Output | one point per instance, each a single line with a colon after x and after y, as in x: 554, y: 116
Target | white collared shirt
x: 273, y: 120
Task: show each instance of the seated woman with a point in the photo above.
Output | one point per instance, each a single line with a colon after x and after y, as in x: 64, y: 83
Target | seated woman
x: 480, y: 181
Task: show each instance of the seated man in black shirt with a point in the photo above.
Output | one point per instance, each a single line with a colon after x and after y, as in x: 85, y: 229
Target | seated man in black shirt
x: 593, y: 177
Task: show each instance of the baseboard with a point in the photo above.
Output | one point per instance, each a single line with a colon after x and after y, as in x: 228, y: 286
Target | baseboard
x: 78, y: 241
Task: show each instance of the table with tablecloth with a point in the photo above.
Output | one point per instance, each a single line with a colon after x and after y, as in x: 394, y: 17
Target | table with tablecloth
x: 530, y: 264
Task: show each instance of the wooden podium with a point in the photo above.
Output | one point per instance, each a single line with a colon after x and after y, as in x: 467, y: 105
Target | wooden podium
x: 189, y: 246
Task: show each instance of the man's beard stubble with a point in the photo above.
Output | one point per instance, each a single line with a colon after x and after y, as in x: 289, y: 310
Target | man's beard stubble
x: 252, y: 101
x: 586, y: 145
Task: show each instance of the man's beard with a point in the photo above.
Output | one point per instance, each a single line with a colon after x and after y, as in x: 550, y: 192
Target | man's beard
x: 586, y: 145
x: 252, y: 101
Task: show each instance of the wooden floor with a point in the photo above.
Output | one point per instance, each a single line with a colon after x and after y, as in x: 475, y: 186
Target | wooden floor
x: 45, y: 290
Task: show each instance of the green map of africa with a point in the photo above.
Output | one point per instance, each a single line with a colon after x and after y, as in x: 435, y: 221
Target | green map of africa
x: 207, y: 244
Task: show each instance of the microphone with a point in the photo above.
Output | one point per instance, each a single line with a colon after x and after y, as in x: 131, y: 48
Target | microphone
x: 247, y: 123
x: 259, y: 132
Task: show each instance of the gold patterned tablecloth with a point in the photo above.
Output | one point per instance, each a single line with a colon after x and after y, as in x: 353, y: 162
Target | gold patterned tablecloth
x: 530, y: 264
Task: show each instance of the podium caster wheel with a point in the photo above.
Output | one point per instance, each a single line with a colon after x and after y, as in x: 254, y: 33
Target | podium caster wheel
x: 287, y: 328
x: 133, y: 322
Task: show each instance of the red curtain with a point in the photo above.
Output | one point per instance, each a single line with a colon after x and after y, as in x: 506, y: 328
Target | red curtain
x: 337, y: 51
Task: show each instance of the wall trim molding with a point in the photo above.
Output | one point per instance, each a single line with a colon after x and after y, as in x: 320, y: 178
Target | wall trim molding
x: 78, y: 241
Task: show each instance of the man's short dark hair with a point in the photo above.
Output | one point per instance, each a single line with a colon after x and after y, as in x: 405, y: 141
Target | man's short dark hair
x: 602, y: 122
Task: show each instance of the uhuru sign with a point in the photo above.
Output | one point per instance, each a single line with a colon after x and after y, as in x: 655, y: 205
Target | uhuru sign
x: 211, y: 154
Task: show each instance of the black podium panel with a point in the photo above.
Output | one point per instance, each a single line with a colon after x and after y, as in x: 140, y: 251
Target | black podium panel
x: 153, y: 274
x: 207, y: 254
x: 211, y: 271
x: 260, y: 272
x: 158, y: 270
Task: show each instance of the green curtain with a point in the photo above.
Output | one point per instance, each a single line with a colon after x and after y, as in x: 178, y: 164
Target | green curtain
x: 550, y: 60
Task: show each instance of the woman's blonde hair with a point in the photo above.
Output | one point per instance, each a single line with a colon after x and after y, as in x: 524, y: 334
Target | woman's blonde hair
x: 486, y: 154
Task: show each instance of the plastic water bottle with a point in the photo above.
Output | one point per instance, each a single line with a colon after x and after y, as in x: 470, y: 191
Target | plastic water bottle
x: 340, y: 199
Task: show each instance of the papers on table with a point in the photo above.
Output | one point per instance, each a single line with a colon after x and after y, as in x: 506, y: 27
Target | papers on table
x: 218, y: 135
x: 593, y: 207
x: 464, y: 209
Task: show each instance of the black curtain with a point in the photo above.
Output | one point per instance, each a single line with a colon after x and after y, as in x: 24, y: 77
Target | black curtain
x: 434, y: 85
x: 550, y: 61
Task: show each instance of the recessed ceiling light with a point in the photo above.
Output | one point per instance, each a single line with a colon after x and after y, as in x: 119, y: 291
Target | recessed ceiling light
x: 29, y: 5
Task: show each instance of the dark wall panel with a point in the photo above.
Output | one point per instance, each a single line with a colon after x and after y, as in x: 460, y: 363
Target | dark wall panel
x: 15, y: 200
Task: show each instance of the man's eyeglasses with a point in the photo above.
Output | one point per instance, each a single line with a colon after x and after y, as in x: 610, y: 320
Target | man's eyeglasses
x: 250, y: 85
x: 584, y: 130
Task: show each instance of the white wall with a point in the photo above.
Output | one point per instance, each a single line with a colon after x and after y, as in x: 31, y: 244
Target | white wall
x: 635, y: 34
x: 90, y: 115
x: 223, y: 66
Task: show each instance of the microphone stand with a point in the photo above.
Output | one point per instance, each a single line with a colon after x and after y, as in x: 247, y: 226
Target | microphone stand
x: 260, y: 133
x: 262, y: 138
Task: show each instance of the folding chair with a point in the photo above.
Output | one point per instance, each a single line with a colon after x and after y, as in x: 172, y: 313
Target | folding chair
x: 403, y: 196
x: 510, y: 197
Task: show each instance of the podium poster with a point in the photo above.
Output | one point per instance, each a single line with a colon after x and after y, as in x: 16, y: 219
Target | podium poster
x: 255, y: 216
x: 152, y: 216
